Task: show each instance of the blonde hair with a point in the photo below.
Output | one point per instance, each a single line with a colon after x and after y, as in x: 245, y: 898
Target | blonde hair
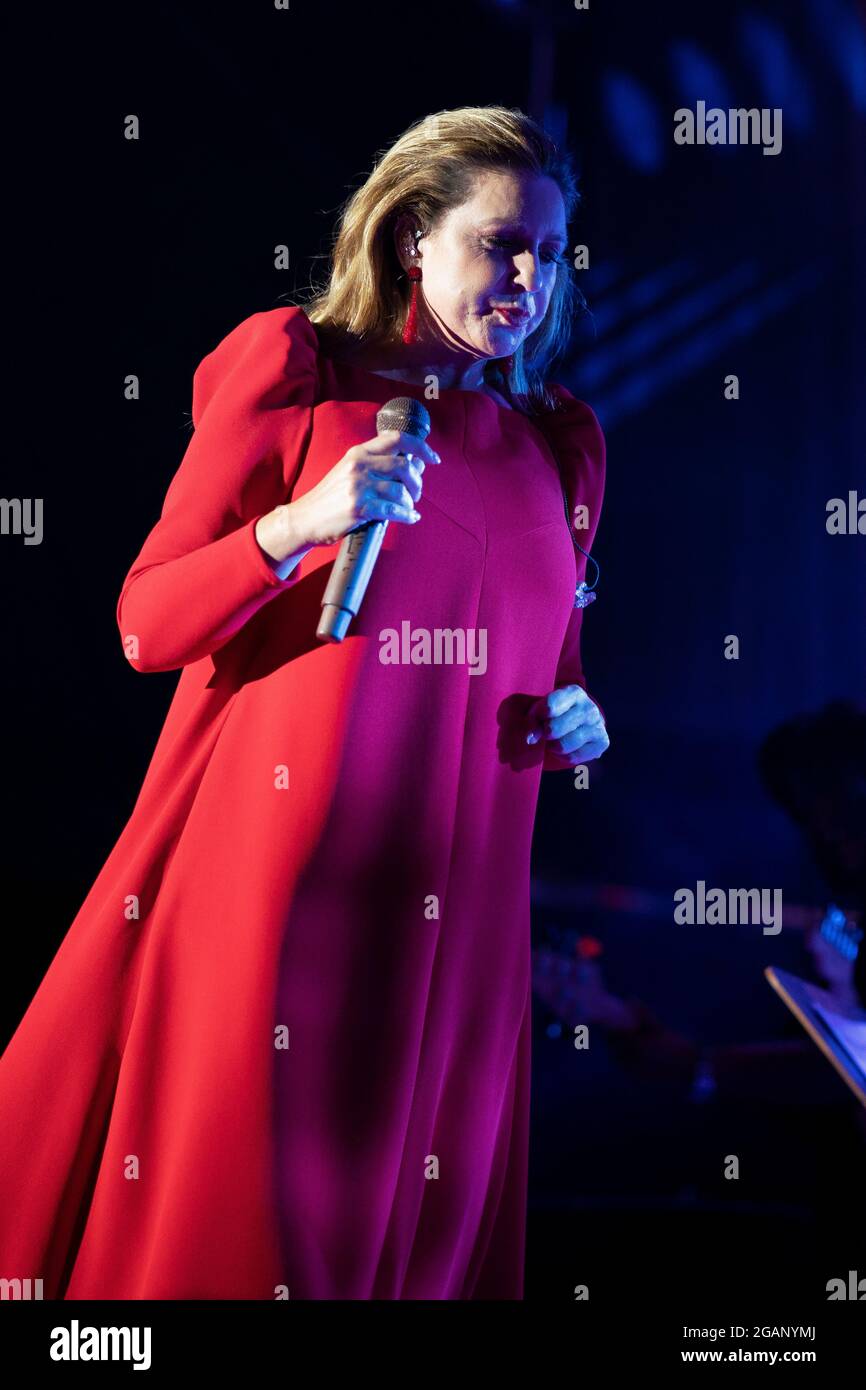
x: 427, y: 172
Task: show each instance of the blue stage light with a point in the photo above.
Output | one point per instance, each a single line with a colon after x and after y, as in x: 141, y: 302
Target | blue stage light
x: 633, y: 121
x: 783, y: 82
x: 697, y: 77
x: 840, y: 29
x: 659, y: 371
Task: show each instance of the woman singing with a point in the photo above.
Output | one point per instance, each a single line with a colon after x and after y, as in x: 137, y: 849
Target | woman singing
x: 283, y: 1050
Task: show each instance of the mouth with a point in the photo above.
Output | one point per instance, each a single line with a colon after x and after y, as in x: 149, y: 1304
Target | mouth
x: 513, y: 316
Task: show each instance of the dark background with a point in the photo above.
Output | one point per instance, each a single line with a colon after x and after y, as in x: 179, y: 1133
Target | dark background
x: 138, y: 257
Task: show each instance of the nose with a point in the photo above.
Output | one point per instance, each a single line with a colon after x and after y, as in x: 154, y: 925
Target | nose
x: 528, y: 271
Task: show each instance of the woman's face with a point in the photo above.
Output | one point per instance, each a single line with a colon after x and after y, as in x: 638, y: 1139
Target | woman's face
x: 489, y: 266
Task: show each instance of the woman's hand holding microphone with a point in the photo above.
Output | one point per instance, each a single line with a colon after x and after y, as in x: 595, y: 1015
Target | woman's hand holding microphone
x: 379, y: 480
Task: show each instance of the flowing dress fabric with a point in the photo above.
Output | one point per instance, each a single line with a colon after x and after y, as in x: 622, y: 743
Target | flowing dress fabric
x: 284, y: 1047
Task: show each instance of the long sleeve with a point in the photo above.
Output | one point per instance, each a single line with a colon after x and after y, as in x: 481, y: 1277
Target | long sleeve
x: 577, y: 440
x: 201, y: 573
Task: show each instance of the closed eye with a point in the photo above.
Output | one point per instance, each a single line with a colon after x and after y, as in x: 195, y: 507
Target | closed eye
x: 548, y: 254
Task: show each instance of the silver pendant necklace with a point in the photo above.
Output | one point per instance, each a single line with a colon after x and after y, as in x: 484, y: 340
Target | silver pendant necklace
x: 584, y: 593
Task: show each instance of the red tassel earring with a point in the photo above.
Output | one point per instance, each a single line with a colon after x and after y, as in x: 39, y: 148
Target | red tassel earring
x: 410, y: 327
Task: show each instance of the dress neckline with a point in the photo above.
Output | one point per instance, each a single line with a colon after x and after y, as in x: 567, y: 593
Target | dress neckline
x: 412, y: 386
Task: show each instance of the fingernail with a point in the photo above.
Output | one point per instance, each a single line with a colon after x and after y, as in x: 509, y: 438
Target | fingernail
x: 416, y: 516
x: 436, y: 456
x: 532, y: 738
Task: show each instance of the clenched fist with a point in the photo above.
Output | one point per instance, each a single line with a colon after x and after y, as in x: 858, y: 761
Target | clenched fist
x: 571, y: 724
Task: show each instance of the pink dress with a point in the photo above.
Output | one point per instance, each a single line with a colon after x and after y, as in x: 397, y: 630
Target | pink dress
x: 284, y: 1047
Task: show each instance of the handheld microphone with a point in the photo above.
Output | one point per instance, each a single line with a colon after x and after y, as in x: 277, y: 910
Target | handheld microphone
x: 359, y: 551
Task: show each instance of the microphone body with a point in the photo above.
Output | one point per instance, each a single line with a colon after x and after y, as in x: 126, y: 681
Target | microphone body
x: 359, y: 550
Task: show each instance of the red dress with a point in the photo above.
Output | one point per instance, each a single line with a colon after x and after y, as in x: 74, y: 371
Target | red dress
x: 283, y: 1049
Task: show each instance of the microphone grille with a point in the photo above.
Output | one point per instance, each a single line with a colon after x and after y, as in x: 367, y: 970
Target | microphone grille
x: 406, y: 414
